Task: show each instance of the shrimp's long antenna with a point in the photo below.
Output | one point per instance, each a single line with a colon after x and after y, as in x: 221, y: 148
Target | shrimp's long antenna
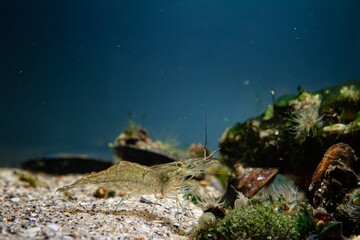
x: 206, y: 136
x: 205, y: 132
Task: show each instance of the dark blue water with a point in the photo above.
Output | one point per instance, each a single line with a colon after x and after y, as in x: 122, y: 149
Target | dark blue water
x: 71, y: 71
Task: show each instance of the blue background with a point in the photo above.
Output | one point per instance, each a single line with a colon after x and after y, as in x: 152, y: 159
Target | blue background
x: 71, y: 71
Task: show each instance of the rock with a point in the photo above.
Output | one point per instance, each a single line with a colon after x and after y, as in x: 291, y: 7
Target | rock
x: 295, y: 131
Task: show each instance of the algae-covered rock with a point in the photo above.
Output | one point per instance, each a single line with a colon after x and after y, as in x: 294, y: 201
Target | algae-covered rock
x: 296, y: 130
x: 255, y: 220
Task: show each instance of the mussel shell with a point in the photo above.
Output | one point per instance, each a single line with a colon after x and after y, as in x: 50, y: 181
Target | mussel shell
x: 65, y: 163
x: 339, y: 153
x: 142, y: 156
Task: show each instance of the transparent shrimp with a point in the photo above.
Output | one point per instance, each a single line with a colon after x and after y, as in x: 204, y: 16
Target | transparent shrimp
x: 139, y: 179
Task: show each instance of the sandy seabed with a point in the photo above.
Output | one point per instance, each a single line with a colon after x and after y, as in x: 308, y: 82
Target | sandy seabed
x: 40, y: 212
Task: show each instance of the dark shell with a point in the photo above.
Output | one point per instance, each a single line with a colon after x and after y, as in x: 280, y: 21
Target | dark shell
x: 334, y: 177
x: 337, y: 154
x: 65, y: 163
x: 254, y: 179
x: 142, y: 156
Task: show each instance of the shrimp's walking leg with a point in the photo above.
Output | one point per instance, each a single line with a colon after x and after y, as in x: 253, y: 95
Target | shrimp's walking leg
x: 126, y: 196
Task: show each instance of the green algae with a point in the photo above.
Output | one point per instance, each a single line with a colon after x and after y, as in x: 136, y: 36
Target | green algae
x: 257, y: 220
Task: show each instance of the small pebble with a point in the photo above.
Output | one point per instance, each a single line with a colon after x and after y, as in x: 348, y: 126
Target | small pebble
x: 15, y: 199
x: 101, y: 192
x: 31, y: 232
x: 54, y: 227
x: 10, y: 218
x: 144, y: 229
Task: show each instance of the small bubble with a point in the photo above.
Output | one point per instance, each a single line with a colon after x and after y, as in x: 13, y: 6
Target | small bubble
x: 246, y: 82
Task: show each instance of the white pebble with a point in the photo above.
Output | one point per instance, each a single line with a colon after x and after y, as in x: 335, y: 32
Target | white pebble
x: 15, y: 199
x: 54, y: 227
x: 83, y: 204
x: 144, y: 229
x: 67, y: 238
x: 31, y: 232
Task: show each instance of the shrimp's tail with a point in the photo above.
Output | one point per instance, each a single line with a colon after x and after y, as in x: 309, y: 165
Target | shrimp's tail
x: 93, y: 178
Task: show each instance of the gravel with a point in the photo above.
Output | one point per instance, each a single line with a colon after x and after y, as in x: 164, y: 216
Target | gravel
x: 32, y: 209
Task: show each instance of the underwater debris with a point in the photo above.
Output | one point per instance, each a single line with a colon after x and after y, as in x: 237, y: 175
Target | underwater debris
x: 136, y: 136
x: 31, y: 179
x: 337, y: 127
x: 135, y: 145
x: 197, y: 150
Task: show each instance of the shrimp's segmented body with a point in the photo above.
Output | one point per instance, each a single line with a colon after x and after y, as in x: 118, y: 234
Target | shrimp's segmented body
x: 126, y: 176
